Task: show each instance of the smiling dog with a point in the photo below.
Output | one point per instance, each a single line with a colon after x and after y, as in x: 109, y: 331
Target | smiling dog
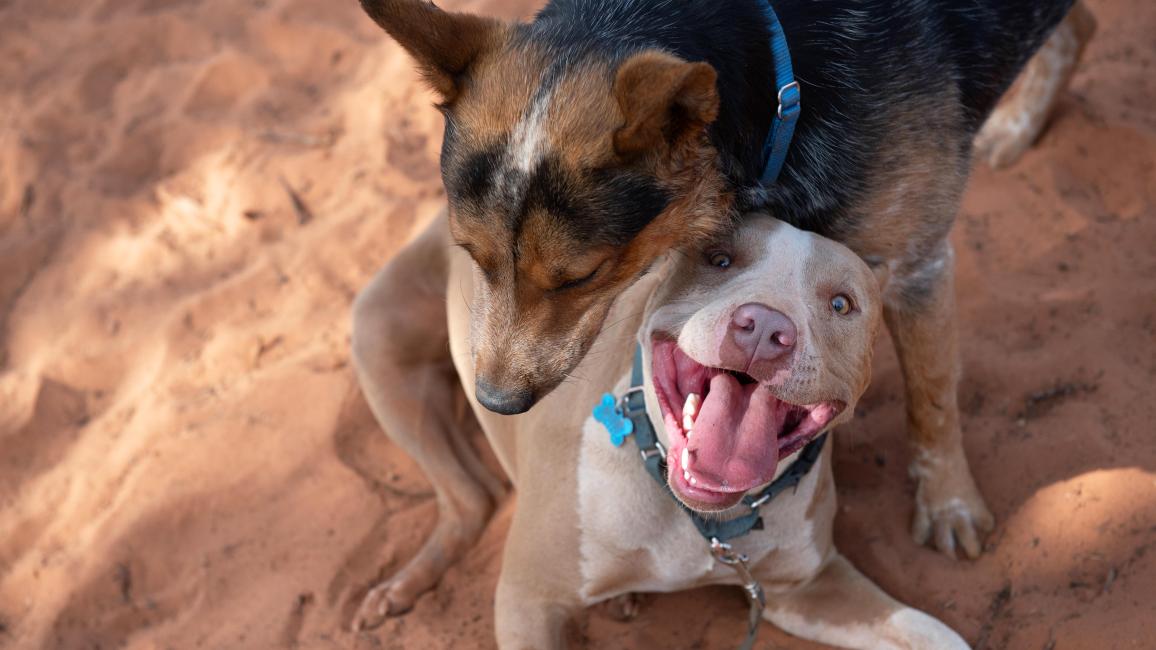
x: 751, y: 348
x: 584, y: 145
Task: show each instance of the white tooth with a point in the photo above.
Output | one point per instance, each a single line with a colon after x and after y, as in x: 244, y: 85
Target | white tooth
x: 689, y: 411
x: 685, y: 458
x: 686, y: 475
x: 690, y: 407
x: 693, y: 480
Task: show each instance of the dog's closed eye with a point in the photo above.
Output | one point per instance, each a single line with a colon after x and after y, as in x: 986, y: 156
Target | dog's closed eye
x: 485, y: 265
x: 580, y: 281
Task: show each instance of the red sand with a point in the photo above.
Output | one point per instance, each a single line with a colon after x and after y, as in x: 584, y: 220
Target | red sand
x: 185, y: 460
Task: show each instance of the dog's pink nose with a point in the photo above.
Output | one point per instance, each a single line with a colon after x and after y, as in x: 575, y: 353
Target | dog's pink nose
x: 758, y: 333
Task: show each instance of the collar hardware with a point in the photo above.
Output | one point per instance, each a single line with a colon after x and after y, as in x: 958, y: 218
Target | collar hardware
x: 792, y: 102
x: 756, y: 597
x: 789, y: 98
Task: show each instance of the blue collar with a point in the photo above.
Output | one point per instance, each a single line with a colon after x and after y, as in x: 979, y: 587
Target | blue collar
x: 629, y: 416
x: 789, y: 101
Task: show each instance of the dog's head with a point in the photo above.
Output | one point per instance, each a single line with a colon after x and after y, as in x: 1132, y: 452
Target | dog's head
x: 569, y: 170
x: 752, y: 348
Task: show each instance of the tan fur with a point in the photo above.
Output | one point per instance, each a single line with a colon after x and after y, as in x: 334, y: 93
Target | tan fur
x: 583, y: 119
x: 501, y: 83
x: 590, y: 523
x: 948, y: 504
x: 444, y: 43
x: 663, y: 99
x: 392, y: 348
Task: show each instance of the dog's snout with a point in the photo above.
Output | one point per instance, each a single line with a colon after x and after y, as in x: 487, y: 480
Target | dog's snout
x: 503, y: 401
x: 758, y: 333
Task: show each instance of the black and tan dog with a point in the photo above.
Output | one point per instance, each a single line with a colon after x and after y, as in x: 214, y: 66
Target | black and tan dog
x: 582, y: 146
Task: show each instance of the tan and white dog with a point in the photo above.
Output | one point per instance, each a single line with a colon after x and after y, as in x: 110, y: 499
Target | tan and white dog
x: 751, y: 349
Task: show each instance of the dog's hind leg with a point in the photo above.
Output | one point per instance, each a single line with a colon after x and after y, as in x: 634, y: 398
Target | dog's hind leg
x: 1023, y: 113
x: 919, y: 307
x: 842, y: 607
x: 401, y: 353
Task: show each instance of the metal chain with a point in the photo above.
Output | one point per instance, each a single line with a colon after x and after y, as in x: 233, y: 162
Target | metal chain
x: 756, y: 598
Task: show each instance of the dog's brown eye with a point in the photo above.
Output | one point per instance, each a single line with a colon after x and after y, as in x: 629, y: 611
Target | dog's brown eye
x: 719, y: 259
x: 841, y: 304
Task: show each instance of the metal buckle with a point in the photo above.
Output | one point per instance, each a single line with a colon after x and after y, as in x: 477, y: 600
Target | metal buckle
x: 656, y: 450
x: 795, y: 85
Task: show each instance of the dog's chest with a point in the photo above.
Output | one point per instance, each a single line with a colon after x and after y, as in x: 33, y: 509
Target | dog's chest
x: 634, y: 537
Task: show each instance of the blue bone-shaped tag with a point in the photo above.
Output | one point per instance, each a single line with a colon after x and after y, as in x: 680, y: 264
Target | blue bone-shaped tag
x: 608, y: 414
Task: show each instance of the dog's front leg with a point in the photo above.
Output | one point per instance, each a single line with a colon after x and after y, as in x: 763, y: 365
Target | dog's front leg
x: 842, y: 607
x: 538, y: 588
x: 525, y: 618
x: 401, y: 353
x: 919, y: 307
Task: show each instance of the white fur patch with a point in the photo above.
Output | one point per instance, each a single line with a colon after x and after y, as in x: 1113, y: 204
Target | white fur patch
x: 919, y: 630
x: 633, y: 536
x: 528, y: 139
x: 904, y: 629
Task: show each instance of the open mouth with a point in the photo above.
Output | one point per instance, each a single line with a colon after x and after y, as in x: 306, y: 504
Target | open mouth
x: 726, y: 430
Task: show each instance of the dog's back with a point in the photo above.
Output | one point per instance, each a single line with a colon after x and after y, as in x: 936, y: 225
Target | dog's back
x: 866, y: 67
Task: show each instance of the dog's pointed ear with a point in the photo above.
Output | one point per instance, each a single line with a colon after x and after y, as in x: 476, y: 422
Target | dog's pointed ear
x: 444, y: 43
x: 663, y: 99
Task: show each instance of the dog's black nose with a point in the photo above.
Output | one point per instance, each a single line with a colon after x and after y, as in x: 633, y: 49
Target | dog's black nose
x: 503, y: 402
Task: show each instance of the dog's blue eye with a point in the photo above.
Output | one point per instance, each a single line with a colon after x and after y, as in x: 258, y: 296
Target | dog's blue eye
x: 720, y: 260
x: 841, y: 304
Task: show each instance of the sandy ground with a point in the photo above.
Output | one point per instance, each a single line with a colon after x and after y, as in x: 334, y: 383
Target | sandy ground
x: 191, y: 193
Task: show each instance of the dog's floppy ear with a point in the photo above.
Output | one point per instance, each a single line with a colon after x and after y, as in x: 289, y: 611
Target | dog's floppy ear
x: 443, y: 43
x: 664, y: 99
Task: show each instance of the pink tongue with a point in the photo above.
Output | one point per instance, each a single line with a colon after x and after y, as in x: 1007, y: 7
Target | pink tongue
x: 735, y: 442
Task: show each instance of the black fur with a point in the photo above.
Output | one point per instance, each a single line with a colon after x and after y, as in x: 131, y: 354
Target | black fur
x: 473, y: 177
x: 861, y: 65
x: 611, y: 209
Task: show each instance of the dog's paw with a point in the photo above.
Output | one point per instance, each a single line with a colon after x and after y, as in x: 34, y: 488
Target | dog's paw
x: 949, y: 510
x: 383, y: 601
x: 1006, y: 136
